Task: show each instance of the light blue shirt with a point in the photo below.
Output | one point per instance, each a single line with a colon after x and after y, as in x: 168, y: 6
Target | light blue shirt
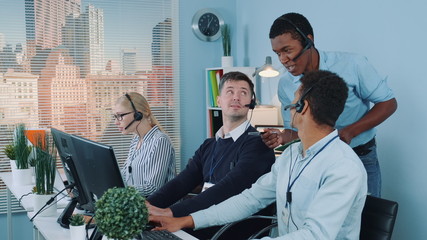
x: 365, y: 86
x: 327, y: 197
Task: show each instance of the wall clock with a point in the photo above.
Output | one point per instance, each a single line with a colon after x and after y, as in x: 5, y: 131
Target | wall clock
x: 207, y: 24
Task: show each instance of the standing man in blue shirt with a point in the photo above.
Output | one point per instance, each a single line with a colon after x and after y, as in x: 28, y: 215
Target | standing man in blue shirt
x: 319, y: 184
x: 292, y: 39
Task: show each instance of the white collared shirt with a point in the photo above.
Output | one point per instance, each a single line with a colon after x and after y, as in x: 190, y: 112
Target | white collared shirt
x: 235, y: 133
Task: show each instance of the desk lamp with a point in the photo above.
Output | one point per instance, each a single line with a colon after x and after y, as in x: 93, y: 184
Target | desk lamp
x: 267, y: 70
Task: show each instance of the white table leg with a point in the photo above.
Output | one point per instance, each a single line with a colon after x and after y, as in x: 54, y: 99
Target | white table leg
x: 9, y: 215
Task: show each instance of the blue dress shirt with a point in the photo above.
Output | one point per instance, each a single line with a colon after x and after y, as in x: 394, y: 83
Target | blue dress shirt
x: 327, y: 197
x: 365, y: 86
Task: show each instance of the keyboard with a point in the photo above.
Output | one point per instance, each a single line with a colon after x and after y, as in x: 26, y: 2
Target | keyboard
x: 158, y: 235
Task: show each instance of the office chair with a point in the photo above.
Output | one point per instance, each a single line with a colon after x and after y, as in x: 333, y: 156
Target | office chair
x: 378, y: 218
x: 255, y: 226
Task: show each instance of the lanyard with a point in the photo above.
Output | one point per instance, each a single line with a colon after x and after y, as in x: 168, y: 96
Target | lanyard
x: 212, y: 169
x: 288, y: 192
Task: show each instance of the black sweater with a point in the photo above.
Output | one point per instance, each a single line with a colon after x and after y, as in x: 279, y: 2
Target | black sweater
x: 234, y: 167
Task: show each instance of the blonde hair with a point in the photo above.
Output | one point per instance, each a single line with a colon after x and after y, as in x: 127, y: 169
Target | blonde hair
x: 141, y: 105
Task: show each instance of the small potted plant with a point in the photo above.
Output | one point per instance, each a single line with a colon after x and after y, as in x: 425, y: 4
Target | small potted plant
x: 45, y: 171
x: 77, y: 227
x: 121, y: 213
x: 227, y: 59
x: 22, y: 175
x: 9, y: 151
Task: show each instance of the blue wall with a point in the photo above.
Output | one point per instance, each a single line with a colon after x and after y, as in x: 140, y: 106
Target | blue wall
x: 196, y: 55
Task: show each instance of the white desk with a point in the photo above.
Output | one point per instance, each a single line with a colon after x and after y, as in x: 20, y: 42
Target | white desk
x: 27, y: 202
x: 46, y: 227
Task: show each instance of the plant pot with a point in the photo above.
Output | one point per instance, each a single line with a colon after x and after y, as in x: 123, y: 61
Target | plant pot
x: 78, y: 232
x: 22, y: 177
x: 227, y: 61
x: 12, y: 164
x: 40, y: 201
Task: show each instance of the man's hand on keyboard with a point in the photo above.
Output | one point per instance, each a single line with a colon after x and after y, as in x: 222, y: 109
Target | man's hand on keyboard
x: 152, y: 210
x: 170, y: 223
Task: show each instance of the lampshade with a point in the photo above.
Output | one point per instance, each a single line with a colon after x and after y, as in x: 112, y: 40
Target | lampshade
x: 267, y: 70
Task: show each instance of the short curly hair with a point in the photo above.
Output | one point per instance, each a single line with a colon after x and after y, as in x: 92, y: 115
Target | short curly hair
x: 326, y: 95
x: 287, y: 23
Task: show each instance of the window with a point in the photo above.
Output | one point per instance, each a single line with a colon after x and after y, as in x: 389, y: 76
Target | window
x: 64, y: 62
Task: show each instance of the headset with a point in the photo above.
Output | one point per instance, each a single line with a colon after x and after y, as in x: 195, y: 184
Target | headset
x: 299, y: 106
x: 308, y: 42
x: 252, y: 104
x: 137, y: 116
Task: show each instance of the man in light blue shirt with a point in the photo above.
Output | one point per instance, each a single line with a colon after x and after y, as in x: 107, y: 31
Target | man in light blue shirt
x: 292, y: 40
x: 319, y: 184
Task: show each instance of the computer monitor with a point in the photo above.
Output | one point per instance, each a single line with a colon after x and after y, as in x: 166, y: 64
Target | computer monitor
x: 90, y: 166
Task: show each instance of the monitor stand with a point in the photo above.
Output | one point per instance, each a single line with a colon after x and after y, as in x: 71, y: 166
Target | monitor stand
x: 64, y: 218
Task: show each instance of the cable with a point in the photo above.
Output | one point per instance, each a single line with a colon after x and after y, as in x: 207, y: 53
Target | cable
x: 19, y: 201
x: 51, y: 200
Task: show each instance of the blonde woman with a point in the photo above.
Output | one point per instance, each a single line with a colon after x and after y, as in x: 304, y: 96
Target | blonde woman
x: 151, y: 160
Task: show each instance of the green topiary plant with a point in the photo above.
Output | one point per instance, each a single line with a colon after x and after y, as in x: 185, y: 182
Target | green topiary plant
x: 226, y: 40
x: 77, y: 220
x: 20, y: 147
x: 121, y: 213
x: 45, y: 165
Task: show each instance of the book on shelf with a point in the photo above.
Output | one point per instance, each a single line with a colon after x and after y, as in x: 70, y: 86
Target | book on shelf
x: 214, y: 77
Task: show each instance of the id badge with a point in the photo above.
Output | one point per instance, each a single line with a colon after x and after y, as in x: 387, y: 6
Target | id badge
x: 207, y: 185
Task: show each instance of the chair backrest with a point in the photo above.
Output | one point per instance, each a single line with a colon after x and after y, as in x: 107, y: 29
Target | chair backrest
x: 378, y: 218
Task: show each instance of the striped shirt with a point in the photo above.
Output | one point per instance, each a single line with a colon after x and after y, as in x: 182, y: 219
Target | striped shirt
x: 152, y: 165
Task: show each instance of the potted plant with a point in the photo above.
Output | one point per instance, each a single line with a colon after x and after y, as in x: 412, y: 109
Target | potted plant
x: 77, y: 227
x: 22, y: 175
x: 121, y: 213
x: 227, y: 59
x: 9, y: 151
x: 45, y: 171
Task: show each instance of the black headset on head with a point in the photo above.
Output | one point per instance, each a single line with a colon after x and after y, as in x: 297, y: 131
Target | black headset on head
x: 299, y: 106
x: 252, y: 104
x: 137, y: 116
x: 308, y: 42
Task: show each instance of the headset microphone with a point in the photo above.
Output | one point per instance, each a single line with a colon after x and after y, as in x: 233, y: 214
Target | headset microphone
x: 130, y: 124
x: 252, y: 104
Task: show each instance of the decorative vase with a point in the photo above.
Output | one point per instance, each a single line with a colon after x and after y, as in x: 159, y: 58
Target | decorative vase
x: 40, y: 201
x: 227, y: 61
x: 22, y: 177
x: 78, y: 232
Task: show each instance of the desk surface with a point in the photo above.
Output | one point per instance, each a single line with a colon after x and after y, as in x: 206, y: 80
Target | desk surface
x: 48, y: 226
x: 27, y: 202
x: 50, y: 229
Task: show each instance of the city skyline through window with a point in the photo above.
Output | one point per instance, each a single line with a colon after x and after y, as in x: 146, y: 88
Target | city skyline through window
x: 63, y: 63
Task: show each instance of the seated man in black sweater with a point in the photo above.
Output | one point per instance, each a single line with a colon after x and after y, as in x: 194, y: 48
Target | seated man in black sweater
x: 226, y: 164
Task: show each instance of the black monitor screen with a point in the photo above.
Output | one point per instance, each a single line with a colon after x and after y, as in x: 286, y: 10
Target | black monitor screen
x: 92, y: 168
x: 66, y: 152
x: 98, y: 166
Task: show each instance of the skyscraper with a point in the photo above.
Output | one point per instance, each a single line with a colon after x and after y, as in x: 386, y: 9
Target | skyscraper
x: 44, y: 20
x: 129, y: 64
x: 84, y: 37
